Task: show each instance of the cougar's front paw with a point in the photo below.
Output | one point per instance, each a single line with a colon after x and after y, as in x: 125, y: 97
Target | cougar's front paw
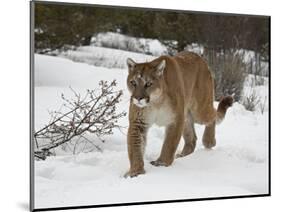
x: 134, y: 173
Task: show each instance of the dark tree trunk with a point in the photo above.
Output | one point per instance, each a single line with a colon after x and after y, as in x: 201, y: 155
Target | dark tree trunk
x: 181, y: 45
x: 86, y: 41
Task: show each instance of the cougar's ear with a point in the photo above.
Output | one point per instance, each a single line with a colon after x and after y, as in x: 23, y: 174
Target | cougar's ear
x: 160, y: 68
x: 131, y: 64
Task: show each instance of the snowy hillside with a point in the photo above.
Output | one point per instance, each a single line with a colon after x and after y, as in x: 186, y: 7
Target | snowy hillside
x: 238, y: 165
x: 105, y: 57
x: 109, y: 50
x: 125, y: 42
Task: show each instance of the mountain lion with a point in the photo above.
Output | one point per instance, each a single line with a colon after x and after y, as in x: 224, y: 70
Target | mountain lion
x: 175, y: 92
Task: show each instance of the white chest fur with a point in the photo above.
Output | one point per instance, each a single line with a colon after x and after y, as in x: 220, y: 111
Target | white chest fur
x: 161, y: 116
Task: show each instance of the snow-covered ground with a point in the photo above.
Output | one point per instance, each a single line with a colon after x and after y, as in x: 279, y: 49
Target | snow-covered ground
x: 238, y: 165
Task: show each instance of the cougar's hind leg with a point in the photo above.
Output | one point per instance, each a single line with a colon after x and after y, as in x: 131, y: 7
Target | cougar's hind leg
x: 208, y: 118
x: 209, y: 139
x: 189, y: 136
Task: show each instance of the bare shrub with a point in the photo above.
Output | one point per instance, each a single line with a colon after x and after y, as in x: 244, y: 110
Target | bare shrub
x: 229, y: 72
x: 259, y: 80
x: 251, y: 101
x: 95, y: 113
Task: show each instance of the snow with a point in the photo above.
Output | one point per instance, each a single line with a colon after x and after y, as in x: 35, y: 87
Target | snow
x: 196, y: 48
x: 251, y: 61
x: 258, y: 86
x: 105, y: 57
x: 125, y: 42
x: 238, y: 165
x: 112, y: 49
x: 153, y: 46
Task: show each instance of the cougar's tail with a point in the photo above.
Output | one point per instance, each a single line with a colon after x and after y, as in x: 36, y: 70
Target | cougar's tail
x: 224, y: 104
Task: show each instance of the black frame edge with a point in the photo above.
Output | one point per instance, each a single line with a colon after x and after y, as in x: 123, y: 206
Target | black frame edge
x: 145, y: 8
x: 269, y: 108
x: 31, y: 106
x: 152, y: 202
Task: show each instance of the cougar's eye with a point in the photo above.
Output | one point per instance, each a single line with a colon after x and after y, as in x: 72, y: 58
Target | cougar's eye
x: 133, y: 83
x: 148, y: 84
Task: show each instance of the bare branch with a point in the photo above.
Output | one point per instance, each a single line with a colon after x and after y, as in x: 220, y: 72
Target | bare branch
x: 94, y: 113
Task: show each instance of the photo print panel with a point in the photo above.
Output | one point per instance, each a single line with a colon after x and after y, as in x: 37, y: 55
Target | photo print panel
x: 139, y: 106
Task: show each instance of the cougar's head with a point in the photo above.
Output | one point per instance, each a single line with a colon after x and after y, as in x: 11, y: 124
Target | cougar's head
x: 145, y: 81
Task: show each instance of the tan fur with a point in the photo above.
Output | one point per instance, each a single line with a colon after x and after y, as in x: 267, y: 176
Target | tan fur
x: 174, y: 92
